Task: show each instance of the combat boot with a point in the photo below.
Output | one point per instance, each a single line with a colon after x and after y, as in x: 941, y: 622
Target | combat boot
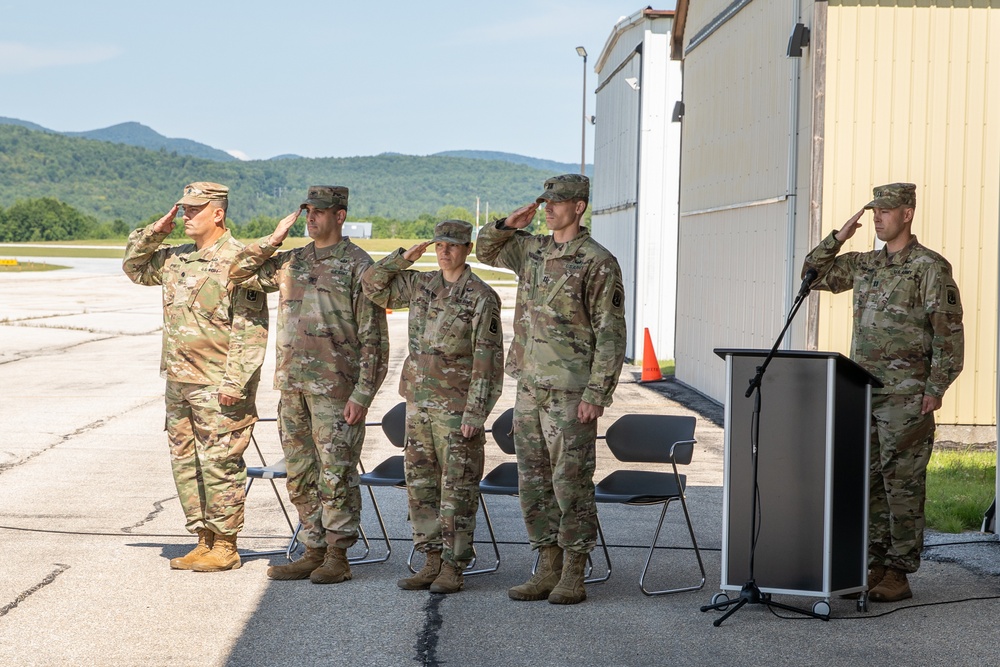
x: 570, y: 589
x: 545, y: 578
x: 298, y: 569
x: 205, y: 540
x: 875, y: 574
x: 893, y: 587
x: 334, y: 569
x: 223, y: 556
x: 451, y: 579
x: 428, y: 573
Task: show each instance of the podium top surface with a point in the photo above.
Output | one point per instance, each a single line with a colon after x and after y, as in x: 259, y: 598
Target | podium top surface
x: 842, y: 361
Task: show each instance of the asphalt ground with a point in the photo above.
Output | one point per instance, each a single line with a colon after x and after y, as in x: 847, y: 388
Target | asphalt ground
x: 89, y: 519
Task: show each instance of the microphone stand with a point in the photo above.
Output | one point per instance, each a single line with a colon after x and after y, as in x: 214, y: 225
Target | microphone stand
x: 750, y: 593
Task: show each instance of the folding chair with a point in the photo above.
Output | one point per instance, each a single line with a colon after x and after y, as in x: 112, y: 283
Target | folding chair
x: 271, y: 472
x: 387, y: 473
x: 651, y: 439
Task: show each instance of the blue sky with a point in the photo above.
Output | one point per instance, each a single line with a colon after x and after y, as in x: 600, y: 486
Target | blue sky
x: 314, y: 78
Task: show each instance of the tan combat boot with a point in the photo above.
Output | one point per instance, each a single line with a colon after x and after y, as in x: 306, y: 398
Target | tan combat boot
x: 451, y: 579
x: 300, y: 568
x: 334, y: 569
x: 545, y: 578
x: 428, y: 573
x: 893, y: 587
x: 205, y: 540
x: 223, y: 556
x: 570, y: 589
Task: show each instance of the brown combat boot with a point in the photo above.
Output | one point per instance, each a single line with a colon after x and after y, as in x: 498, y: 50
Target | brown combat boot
x: 334, y: 569
x: 428, y: 573
x: 893, y: 587
x: 298, y: 569
x: 875, y: 574
x: 450, y: 580
x: 223, y: 556
x: 570, y: 588
x: 205, y: 540
x: 545, y: 578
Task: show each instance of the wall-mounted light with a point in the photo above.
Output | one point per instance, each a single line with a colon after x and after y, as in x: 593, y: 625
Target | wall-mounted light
x: 798, y: 40
x: 632, y: 82
x: 678, y: 112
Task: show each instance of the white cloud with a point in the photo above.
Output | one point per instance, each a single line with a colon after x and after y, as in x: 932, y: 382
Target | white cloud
x: 238, y: 154
x: 17, y: 57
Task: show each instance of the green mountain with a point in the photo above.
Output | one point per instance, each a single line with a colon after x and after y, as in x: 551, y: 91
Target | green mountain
x: 115, y: 181
x: 534, y: 162
x: 135, y: 134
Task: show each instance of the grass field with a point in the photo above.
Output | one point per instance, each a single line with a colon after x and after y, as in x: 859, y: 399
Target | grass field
x: 961, y: 484
x: 114, y: 249
x: 28, y: 266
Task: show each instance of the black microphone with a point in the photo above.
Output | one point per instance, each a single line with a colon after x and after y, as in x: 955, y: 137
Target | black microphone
x: 807, y: 281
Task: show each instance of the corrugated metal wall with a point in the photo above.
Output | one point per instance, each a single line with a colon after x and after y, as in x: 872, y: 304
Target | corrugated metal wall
x: 734, y: 258
x: 616, y: 148
x: 636, y: 163
x: 913, y: 94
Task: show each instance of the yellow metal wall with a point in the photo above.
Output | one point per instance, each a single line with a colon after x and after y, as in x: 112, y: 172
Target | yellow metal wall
x: 913, y: 94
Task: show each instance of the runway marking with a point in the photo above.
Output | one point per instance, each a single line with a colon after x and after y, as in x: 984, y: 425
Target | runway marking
x: 49, y: 578
x: 427, y: 640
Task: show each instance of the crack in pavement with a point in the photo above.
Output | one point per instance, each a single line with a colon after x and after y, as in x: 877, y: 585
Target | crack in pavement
x: 49, y: 578
x: 427, y: 640
x: 4, y: 467
x: 157, y: 508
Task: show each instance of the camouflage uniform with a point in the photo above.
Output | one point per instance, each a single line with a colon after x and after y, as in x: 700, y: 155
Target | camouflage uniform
x: 908, y: 334
x: 452, y: 376
x: 214, y: 339
x: 569, y: 345
x: 332, y: 346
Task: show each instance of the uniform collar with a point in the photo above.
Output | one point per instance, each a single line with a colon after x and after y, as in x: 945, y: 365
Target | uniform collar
x: 336, y: 250
x: 901, y: 255
x: 569, y: 248
x: 439, y: 286
x: 209, y: 253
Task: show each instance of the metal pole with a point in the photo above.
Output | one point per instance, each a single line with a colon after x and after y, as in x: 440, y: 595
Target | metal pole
x: 583, y: 119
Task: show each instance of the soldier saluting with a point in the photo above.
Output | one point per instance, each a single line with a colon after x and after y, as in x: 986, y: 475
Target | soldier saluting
x: 451, y: 380
x: 567, y: 354
x: 907, y: 333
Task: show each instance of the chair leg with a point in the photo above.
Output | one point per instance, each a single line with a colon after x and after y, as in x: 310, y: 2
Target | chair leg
x: 607, y: 558
x: 472, y: 570
x: 385, y: 536
x: 652, y: 548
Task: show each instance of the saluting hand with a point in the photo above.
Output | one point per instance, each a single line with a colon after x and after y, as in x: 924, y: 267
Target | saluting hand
x: 417, y: 251
x: 851, y: 226
x: 166, y: 224
x: 280, y: 232
x: 522, y: 217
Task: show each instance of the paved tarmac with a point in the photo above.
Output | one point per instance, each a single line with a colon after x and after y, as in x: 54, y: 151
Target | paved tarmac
x: 89, y: 518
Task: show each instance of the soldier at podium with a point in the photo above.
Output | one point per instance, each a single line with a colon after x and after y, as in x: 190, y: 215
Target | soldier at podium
x: 908, y: 333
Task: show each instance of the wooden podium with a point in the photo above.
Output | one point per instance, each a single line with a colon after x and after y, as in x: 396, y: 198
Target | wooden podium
x: 812, y: 473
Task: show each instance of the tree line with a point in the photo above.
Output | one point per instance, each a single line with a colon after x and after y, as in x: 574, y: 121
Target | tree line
x: 48, y: 219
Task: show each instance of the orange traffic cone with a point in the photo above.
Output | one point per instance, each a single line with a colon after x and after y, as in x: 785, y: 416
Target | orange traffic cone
x: 650, y: 364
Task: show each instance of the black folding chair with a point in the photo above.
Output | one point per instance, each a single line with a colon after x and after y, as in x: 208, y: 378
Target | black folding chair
x: 662, y: 439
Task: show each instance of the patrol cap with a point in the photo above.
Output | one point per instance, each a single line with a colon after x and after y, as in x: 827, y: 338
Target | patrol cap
x: 453, y: 231
x: 567, y: 186
x: 326, y: 196
x: 202, y: 192
x: 894, y: 195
